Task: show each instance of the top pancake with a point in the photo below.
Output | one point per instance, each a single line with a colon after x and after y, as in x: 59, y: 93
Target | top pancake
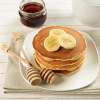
x: 38, y: 44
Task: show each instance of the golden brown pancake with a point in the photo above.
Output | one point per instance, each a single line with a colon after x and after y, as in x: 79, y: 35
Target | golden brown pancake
x: 67, y: 72
x: 63, y: 71
x: 59, y: 62
x: 51, y: 59
x: 38, y: 44
x: 53, y: 67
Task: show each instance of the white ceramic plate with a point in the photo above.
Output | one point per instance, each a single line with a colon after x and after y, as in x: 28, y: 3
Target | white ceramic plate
x: 84, y: 77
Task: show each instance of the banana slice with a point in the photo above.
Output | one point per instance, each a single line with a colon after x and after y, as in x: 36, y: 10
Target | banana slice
x: 67, y: 41
x: 57, y: 32
x: 51, y: 43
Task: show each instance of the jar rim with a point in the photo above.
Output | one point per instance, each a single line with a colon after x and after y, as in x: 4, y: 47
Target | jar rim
x: 35, y: 13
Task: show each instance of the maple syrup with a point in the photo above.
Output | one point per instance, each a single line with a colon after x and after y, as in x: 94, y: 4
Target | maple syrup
x: 32, y: 14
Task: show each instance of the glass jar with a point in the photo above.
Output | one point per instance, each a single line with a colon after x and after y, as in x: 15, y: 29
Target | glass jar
x: 32, y: 12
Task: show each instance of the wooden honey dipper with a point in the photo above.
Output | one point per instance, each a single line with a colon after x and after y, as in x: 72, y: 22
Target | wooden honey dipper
x: 32, y: 74
x: 46, y: 74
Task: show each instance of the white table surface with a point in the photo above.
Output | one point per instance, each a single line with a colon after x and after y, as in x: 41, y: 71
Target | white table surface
x: 59, y: 12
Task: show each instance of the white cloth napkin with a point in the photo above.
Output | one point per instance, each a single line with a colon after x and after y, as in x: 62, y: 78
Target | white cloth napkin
x: 15, y: 83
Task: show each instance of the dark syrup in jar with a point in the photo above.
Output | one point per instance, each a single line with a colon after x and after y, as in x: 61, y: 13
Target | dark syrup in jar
x: 32, y: 14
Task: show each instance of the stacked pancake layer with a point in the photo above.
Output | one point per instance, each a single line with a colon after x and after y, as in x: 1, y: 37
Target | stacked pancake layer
x: 63, y: 60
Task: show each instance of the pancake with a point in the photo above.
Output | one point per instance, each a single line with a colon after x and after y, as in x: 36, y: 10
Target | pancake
x: 67, y: 72
x: 62, y: 71
x: 38, y: 44
x: 66, y: 67
x: 51, y: 59
x: 59, y: 62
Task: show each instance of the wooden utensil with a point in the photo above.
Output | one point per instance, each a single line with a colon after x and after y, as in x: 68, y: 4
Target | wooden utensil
x: 46, y: 74
x: 32, y: 74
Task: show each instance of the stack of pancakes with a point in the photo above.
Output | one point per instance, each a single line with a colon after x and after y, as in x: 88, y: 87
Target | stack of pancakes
x: 63, y: 60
